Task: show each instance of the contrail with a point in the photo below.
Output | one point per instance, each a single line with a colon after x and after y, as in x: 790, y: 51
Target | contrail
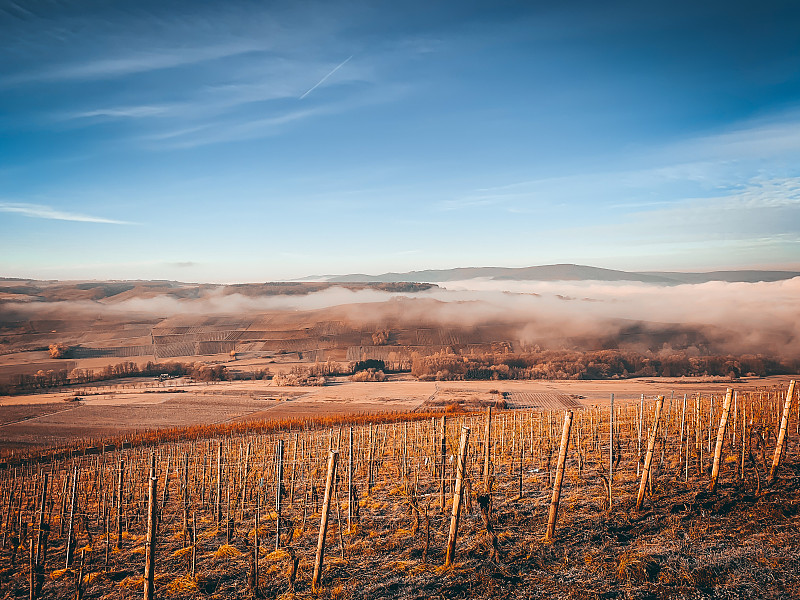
x: 321, y: 81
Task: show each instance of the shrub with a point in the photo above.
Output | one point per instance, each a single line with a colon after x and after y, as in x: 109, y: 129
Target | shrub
x: 370, y: 363
x: 59, y: 351
x: 368, y: 375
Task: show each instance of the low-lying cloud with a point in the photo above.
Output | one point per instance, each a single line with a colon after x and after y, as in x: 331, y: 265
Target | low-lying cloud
x: 730, y: 317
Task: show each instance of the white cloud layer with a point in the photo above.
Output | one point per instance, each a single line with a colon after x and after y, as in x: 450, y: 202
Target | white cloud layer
x: 732, y: 317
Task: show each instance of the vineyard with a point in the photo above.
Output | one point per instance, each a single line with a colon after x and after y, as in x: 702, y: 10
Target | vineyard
x: 666, y: 497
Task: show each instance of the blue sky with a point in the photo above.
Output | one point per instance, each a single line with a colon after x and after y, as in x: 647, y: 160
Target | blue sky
x: 252, y: 141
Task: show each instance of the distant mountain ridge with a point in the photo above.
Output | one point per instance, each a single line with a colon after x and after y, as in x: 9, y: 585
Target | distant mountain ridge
x: 566, y: 272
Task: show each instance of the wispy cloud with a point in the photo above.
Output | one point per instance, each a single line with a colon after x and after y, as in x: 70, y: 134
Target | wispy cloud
x: 776, y: 135
x: 237, y: 128
x: 761, y: 208
x: 141, y: 62
x: 761, y: 212
x: 40, y: 211
x: 121, y: 112
x: 321, y: 81
x: 734, y: 165
x: 223, y: 130
x: 241, y: 105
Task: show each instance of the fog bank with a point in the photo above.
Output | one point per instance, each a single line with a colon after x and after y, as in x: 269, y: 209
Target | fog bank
x: 736, y: 317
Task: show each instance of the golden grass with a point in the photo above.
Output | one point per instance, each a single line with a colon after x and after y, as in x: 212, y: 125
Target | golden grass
x: 400, y: 565
x: 635, y: 567
x: 227, y: 551
x: 92, y: 578
x: 59, y: 574
x: 401, y: 532
x: 336, y: 561
x: 182, y: 586
x: 275, y: 555
x: 132, y: 582
x: 182, y: 552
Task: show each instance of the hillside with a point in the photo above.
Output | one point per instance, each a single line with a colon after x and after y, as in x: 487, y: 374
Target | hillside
x: 567, y: 272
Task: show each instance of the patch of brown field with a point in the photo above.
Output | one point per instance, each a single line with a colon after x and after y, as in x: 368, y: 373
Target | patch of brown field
x: 16, y: 413
x: 29, y: 363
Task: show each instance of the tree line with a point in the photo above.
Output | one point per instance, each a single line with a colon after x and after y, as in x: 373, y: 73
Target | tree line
x: 443, y: 366
x: 21, y: 383
x: 598, y: 364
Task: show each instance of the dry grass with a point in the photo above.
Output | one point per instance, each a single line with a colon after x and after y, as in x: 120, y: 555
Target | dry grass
x: 635, y: 567
x: 182, y: 586
x: 227, y: 551
x: 181, y: 552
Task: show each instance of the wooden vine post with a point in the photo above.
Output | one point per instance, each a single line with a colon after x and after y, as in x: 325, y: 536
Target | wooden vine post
x: 165, y: 495
x: 457, y: 493
x: 487, y: 450
x: 32, y: 574
x: 639, y: 433
x: 256, y: 548
x: 651, y: 444
x: 562, y: 458
x: 698, y: 444
x: 218, y: 507
x: 323, y: 523
x: 370, y: 458
x: 521, y: 457
x: 745, y: 437
x: 194, y: 542
x: 611, y: 455
x: 70, y: 537
x: 442, y: 460
x: 683, y: 430
x: 150, y: 546
x: 278, y: 484
x: 245, y: 476
x: 787, y: 407
x: 350, y: 482
x: 294, y: 468
x: 41, y: 538
x: 40, y: 550
x: 723, y: 424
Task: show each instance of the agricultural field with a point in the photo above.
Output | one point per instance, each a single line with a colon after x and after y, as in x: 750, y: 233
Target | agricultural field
x: 691, y: 494
x: 54, y: 418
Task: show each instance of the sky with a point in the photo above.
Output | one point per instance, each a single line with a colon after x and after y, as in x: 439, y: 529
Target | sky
x: 254, y: 141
